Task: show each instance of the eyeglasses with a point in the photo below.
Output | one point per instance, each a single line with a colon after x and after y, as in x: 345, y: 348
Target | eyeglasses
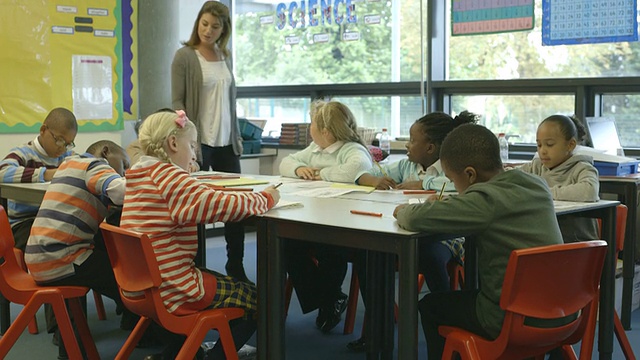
x: 60, y: 142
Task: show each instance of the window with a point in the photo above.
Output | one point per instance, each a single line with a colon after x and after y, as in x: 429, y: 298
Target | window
x: 369, y: 111
x: 276, y: 111
x: 396, y: 113
x: 518, y: 116
x: 367, y: 54
x: 520, y: 55
x: 326, y: 42
x: 625, y: 109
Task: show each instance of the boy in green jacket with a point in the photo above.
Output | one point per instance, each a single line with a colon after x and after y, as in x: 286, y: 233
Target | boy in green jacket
x: 501, y: 210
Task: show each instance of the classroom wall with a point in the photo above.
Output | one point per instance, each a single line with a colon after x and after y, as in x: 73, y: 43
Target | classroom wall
x: 158, y: 40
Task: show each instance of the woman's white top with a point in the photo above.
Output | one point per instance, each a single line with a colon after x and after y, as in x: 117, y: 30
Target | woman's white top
x: 214, y: 116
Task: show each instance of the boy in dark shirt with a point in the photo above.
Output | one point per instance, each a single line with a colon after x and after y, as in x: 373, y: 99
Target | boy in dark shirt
x: 501, y: 210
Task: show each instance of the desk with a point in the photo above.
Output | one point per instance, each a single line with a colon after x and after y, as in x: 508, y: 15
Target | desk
x: 29, y: 193
x: 327, y: 220
x: 626, y: 188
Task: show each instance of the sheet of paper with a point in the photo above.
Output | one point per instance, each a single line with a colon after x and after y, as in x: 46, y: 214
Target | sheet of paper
x: 324, y: 192
x: 286, y: 204
x: 236, y: 182
x: 92, y: 93
x: 353, y: 187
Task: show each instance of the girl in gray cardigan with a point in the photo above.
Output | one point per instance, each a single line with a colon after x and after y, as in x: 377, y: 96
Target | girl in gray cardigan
x: 571, y: 177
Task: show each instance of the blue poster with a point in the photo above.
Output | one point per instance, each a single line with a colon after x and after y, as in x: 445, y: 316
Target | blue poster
x: 566, y: 22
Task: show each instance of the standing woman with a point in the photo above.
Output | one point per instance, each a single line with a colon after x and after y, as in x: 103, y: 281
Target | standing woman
x: 202, y: 85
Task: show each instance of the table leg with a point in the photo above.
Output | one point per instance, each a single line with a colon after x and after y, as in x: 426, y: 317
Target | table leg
x: 605, y: 332
x: 201, y: 255
x: 380, y: 299
x: 262, y: 283
x: 628, y: 253
x: 271, y: 344
x: 408, y: 300
x: 5, y: 314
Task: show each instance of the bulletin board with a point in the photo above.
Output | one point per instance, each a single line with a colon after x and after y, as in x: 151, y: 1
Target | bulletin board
x: 587, y: 21
x: 472, y: 17
x: 77, y: 54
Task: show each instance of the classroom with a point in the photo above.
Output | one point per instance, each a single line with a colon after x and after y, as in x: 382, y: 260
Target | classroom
x: 513, y: 63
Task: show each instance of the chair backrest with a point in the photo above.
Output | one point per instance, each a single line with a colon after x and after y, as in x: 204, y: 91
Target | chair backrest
x: 550, y: 282
x: 6, y: 235
x: 12, y: 276
x: 621, y: 226
x: 136, y: 270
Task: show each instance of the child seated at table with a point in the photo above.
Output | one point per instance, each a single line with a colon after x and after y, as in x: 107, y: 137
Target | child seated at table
x: 36, y: 162
x: 502, y: 210
x: 571, y: 177
x: 65, y: 246
x: 421, y: 170
x: 165, y: 202
x: 336, y: 154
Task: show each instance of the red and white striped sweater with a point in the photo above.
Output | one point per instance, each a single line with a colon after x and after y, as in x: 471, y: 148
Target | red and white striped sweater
x: 163, y: 201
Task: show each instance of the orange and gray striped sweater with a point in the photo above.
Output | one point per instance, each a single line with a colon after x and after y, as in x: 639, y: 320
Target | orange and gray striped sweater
x: 70, y: 215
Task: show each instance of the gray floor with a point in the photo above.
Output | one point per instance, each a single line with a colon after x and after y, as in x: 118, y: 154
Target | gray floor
x: 304, y: 341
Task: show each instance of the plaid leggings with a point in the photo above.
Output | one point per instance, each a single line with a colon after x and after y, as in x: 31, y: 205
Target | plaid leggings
x: 233, y: 293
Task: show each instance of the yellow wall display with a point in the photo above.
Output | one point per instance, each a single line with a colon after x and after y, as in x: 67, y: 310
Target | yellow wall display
x: 78, y: 54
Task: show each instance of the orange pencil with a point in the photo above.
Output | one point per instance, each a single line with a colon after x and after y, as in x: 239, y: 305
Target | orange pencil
x: 358, y: 212
x: 410, y: 192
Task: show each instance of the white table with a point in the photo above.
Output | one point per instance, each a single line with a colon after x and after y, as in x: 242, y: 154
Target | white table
x: 328, y: 221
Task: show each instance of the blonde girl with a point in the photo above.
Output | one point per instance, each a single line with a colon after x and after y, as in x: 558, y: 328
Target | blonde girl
x: 336, y: 154
x: 165, y: 202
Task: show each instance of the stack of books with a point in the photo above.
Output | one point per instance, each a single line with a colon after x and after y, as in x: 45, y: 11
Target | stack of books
x: 295, y: 134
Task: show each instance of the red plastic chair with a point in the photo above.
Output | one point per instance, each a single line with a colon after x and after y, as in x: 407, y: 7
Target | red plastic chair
x: 138, y: 277
x: 18, y: 287
x: 547, y: 282
x: 33, y: 324
x: 586, y: 346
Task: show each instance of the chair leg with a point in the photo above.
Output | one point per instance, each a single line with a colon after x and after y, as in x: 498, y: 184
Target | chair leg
x: 33, y: 326
x: 14, y: 331
x: 622, y: 338
x: 352, y: 305
x: 83, y: 329
x: 586, y: 346
x: 135, y: 336
x: 568, y: 353
x: 228, y: 345
x: 196, y: 337
x: 66, y: 329
x: 97, y: 298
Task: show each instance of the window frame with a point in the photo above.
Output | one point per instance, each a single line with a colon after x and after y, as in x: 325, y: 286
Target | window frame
x: 437, y: 90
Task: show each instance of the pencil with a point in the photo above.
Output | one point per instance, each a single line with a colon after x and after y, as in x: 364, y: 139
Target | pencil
x: 278, y: 185
x: 411, y: 192
x: 384, y: 173
x: 358, y: 212
x: 442, y: 191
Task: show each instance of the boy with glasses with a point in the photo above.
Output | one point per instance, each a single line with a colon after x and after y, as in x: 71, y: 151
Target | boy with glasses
x: 36, y: 162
